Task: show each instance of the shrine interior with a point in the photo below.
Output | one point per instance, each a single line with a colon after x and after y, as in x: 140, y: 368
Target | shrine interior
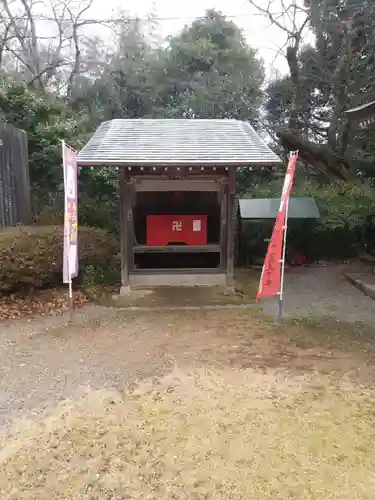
x: 204, y: 203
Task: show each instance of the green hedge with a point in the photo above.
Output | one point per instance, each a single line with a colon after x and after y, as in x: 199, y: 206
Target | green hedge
x: 32, y: 257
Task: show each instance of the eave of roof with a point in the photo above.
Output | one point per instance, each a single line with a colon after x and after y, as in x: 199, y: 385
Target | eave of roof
x: 363, y: 115
x: 187, y: 163
x: 180, y: 142
x: 363, y: 107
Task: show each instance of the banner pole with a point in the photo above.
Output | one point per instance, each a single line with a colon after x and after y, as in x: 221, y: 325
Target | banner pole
x: 67, y: 236
x: 283, y: 260
x: 283, y: 264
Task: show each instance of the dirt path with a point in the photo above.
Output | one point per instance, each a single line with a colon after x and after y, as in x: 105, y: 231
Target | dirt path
x: 237, y: 433
x: 318, y: 292
x: 43, y: 362
x: 228, y: 402
x: 296, y: 397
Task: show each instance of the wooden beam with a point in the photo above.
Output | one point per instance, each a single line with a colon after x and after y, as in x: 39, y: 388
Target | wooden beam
x: 188, y: 270
x: 142, y: 249
x: 157, y: 185
x: 230, y: 226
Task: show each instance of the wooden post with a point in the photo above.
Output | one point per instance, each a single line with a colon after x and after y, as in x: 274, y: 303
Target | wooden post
x: 23, y: 180
x: 223, y: 233
x: 130, y: 237
x: 125, y: 284
x: 239, y: 243
x: 15, y: 199
x: 230, y: 226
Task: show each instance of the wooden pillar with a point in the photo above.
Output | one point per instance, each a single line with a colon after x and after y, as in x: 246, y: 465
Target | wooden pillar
x: 239, y: 238
x: 126, y: 230
x: 230, y: 225
x: 224, y: 219
x: 130, y: 197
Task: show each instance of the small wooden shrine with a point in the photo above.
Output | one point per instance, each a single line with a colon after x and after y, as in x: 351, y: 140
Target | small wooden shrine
x: 177, y: 189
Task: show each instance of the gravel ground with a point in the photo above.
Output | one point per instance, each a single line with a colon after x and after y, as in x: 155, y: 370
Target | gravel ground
x: 42, y: 361
x: 318, y: 292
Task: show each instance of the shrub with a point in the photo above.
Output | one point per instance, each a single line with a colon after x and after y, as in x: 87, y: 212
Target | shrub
x: 345, y: 229
x: 32, y: 257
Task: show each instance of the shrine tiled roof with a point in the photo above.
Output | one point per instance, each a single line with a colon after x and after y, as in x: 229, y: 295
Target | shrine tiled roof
x: 176, y: 142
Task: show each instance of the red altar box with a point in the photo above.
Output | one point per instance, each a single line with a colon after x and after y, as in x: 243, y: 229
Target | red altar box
x: 176, y: 229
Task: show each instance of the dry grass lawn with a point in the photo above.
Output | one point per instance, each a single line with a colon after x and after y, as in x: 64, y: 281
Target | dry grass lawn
x: 251, y: 411
x: 223, y: 434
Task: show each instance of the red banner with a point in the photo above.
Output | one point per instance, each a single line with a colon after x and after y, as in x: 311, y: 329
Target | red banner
x: 270, y: 280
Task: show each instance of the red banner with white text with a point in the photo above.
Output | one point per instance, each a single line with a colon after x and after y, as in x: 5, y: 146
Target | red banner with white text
x: 270, y: 281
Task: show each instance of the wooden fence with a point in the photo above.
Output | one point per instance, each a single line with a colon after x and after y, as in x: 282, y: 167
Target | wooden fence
x: 15, y: 200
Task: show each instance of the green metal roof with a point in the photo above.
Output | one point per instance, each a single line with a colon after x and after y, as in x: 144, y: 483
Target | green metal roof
x: 267, y: 208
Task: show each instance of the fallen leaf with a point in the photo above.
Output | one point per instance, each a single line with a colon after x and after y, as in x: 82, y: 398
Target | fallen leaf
x: 44, y: 302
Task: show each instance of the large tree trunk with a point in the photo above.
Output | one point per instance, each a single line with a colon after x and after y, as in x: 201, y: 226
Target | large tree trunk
x: 338, y: 129
x: 323, y: 159
x: 291, y: 56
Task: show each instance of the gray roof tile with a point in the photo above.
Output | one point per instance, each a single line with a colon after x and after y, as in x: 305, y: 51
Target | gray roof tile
x: 176, y: 142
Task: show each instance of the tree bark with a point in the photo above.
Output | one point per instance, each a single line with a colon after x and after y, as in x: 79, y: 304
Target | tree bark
x: 338, y: 128
x: 322, y: 158
x: 291, y: 57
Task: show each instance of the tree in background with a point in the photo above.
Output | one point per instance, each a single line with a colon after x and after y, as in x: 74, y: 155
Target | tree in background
x: 61, y: 83
x: 210, y: 72
x: 306, y: 108
x: 124, y: 85
x: 46, y: 122
x: 50, y: 60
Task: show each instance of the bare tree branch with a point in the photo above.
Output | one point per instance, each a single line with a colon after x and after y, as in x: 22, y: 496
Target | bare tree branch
x: 44, y: 61
x: 5, y: 37
x: 76, y: 24
x: 286, y: 21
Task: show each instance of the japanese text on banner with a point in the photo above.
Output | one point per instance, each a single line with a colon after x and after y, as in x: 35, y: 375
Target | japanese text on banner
x: 70, y: 215
x: 270, y: 281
